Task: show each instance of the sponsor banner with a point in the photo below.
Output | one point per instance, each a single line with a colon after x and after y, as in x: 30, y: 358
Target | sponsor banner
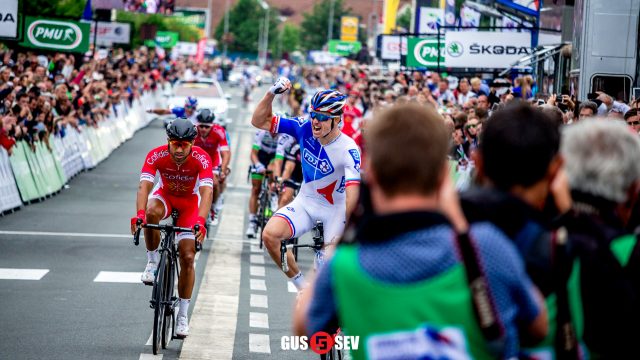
x: 164, y: 39
x: 392, y: 46
x: 485, y: 49
x: 469, y: 17
x: 450, y: 12
x: 423, y: 52
x: 9, y: 19
x: 428, y: 20
x: 344, y: 48
x: 349, y: 28
x: 60, y: 35
x: 194, y: 16
x: 107, y: 4
x: 111, y: 33
x: 186, y: 48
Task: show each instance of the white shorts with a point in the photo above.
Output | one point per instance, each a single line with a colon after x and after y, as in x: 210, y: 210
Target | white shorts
x: 303, y: 212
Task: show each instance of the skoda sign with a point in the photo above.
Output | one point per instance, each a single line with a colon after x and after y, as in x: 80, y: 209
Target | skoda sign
x: 485, y: 49
x: 57, y: 34
x: 9, y: 19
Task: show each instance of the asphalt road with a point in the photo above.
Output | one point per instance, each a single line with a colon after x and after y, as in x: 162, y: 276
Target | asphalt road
x: 74, y: 307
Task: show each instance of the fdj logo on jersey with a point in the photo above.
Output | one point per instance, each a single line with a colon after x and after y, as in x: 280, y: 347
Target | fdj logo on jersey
x: 54, y: 34
x: 321, y: 342
x: 323, y: 165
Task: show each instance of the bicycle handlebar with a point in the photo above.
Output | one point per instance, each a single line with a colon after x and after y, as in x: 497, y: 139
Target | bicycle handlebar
x: 136, y: 236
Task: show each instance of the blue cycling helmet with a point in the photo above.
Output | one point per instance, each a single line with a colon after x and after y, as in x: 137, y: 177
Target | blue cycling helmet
x: 329, y: 101
x: 191, y: 102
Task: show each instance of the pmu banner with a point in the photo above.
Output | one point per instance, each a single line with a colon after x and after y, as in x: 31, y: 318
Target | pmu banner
x: 349, y: 28
x: 60, y: 35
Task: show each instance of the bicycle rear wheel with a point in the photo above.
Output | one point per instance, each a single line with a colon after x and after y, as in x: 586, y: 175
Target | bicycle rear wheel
x: 158, y: 311
x: 168, y: 323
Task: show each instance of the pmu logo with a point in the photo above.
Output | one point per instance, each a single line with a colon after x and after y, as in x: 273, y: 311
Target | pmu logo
x: 320, y: 342
x: 323, y: 165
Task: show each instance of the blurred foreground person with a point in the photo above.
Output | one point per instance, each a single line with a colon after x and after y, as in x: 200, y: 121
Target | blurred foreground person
x: 604, y: 174
x: 404, y: 285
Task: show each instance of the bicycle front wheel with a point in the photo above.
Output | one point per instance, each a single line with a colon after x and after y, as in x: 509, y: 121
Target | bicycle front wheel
x: 169, y: 317
x: 158, y: 311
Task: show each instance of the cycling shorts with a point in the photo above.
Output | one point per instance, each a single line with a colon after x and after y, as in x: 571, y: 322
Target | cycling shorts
x: 187, y: 206
x: 303, y: 212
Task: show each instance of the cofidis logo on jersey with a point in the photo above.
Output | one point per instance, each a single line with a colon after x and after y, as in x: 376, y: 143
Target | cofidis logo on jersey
x: 320, y: 342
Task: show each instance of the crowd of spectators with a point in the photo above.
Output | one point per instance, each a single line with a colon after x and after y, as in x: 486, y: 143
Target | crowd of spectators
x: 44, y: 94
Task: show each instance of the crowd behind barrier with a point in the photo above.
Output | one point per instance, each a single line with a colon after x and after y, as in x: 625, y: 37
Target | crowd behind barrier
x: 29, y: 174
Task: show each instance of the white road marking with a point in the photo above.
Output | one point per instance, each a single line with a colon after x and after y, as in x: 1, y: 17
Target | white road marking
x: 257, y: 284
x: 118, y: 277
x: 259, y: 343
x: 256, y: 270
x: 197, y: 255
x: 256, y: 249
x: 292, y: 288
x: 150, y: 357
x: 63, y: 234
x: 215, y: 313
x: 257, y: 259
x: 258, y: 320
x: 150, y: 341
x: 22, y: 274
x: 260, y: 301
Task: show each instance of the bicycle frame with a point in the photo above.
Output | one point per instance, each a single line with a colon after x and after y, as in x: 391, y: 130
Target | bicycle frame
x: 317, y: 246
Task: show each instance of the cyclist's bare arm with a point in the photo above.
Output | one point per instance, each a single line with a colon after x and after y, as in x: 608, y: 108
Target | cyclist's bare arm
x: 277, y: 167
x: 144, y: 189
x: 226, y: 159
x: 289, y: 166
x: 254, y: 157
x: 159, y: 111
x: 264, y: 112
x: 206, y: 198
x: 352, y: 198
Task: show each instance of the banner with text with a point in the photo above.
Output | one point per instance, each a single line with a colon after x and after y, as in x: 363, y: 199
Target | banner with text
x: 60, y: 35
x: 349, y: 28
x: 424, y: 53
x: 485, y: 49
x: 110, y: 33
x: 9, y: 19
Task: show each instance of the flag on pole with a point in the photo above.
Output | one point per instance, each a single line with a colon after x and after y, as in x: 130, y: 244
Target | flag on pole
x: 390, y: 13
x: 87, y: 14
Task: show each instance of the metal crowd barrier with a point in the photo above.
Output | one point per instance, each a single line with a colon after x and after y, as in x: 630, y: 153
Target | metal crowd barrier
x: 28, y: 175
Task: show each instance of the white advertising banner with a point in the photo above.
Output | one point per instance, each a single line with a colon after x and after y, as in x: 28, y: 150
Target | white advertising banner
x: 428, y: 20
x: 111, y: 33
x: 9, y: 19
x: 469, y: 17
x: 186, y: 48
x: 485, y: 49
x: 391, y: 47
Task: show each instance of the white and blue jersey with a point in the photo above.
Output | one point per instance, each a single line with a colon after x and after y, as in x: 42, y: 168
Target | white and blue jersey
x: 181, y: 113
x: 327, y: 171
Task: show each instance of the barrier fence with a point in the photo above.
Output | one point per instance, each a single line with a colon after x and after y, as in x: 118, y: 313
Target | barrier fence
x: 29, y: 175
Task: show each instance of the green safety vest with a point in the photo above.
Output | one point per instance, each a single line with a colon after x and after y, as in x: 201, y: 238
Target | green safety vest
x: 393, y: 319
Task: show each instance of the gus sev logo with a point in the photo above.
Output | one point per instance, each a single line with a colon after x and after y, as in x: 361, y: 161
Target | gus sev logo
x: 54, y: 34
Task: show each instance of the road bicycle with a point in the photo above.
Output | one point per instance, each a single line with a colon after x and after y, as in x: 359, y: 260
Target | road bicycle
x: 317, y: 246
x: 164, y: 297
x: 265, y: 204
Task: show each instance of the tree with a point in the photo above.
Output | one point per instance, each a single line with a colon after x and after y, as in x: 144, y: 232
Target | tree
x: 59, y: 8
x: 314, y: 26
x: 186, y: 32
x: 403, y: 20
x: 244, y: 26
x: 290, y: 38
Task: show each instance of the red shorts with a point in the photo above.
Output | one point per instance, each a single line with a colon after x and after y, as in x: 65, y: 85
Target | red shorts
x: 187, y: 206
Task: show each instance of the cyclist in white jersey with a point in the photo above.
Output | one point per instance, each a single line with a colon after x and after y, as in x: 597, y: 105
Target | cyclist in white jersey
x: 330, y: 167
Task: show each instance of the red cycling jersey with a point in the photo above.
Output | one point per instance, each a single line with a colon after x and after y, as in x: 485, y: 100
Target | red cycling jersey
x: 178, y: 180
x: 349, y: 115
x: 178, y: 185
x: 214, y: 143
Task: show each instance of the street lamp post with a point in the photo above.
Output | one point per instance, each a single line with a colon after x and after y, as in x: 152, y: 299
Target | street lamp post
x: 330, y: 25
x: 265, y: 6
x: 226, y: 28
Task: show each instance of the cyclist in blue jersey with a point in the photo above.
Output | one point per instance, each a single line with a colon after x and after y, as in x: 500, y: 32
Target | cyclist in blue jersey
x: 188, y: 111
x: 330, y: 169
